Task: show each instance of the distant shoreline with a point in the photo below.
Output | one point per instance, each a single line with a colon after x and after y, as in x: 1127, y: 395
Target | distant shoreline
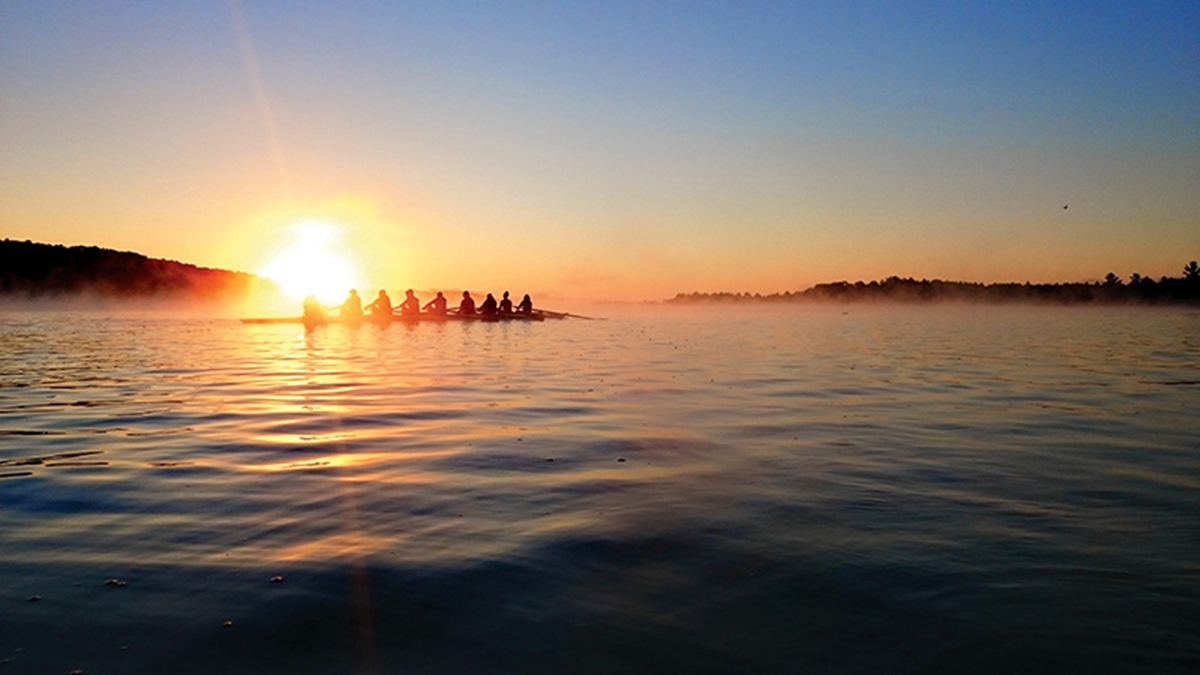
x: 1183, y: 290
x: 36, y: 272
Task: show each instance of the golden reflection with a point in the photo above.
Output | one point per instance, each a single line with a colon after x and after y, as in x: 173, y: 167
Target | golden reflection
x: 342, y: 460
x: 355, y: 545
x: 335, y: 461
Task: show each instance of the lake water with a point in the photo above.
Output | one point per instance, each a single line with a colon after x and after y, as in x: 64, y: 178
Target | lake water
x: 810, y: 489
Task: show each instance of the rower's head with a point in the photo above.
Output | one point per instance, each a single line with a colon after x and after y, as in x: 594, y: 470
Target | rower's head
x: 409, y: 292
x: 440, y: 294
x: 466, y: 294
x: 505, y: 295
x: 353, y: 291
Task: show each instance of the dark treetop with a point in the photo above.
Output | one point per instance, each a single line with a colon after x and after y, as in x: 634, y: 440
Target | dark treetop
x: 1139, y: 290
x: 46, y: 271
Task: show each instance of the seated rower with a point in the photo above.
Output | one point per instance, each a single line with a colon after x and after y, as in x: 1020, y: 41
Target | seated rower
x: 437, y: 305
x: 411, y: 305
x: 352, y: 307
x: 526, y: 306
x: 382, y: 306
x: 314, y: 313
x: 467, y: 306
x: 505, y: 304
x: 489, y: 306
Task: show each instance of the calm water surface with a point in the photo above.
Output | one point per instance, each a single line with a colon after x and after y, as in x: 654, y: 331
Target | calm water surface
x: 813, y: 490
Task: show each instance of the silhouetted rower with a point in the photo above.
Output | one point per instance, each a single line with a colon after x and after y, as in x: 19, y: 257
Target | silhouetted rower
x: 489, y: 306
x: 437, y: 305
x: 411, y: 305
x: 467, y: 306
x: 352, y: 307
x: 505, y: 304
x: 314, y: 313
x: 382, y: 306
x: 526, y: 306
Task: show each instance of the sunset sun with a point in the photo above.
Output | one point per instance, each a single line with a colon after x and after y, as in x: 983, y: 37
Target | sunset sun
x: 313, y: 264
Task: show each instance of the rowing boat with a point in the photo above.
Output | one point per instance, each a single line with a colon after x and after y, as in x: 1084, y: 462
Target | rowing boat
x: 423, y: 317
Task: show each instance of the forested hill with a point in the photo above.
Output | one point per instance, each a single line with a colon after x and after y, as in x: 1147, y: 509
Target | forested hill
x: 1113, y: 290
x: 34, y: 270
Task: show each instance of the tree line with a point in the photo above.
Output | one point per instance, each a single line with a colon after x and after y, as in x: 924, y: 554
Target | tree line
x: 1112, y: 290
x: 39, y: 270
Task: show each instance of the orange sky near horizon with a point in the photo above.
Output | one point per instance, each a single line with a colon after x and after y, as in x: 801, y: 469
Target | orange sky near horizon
x: 611, y: 154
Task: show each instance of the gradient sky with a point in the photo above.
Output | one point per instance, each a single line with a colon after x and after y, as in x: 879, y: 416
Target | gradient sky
x: 612, y: 149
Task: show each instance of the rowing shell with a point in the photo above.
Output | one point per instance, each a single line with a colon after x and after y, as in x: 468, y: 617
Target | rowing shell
x: 406, y: 318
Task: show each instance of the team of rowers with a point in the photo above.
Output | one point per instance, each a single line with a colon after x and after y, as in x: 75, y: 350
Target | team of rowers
x: 382, y: 307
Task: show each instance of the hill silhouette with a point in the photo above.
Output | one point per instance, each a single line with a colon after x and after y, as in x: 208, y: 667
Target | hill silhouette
x: 37, y: 271
x: 1112, y: 290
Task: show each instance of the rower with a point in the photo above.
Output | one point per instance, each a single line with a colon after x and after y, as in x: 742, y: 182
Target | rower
x: 526, y: 306
x: 437, y: 305
x: 352, y: 307
x: 411, y: 305
x: 505, y: 304
x: 489, y: 305
x: 467, y: 306
x: 314, y: 313
x: 382, y: 306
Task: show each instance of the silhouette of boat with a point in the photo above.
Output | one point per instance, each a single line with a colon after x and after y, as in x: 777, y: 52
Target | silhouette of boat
x: 423, y: 317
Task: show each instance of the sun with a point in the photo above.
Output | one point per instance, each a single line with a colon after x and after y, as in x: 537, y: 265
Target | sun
x: 313, y: 264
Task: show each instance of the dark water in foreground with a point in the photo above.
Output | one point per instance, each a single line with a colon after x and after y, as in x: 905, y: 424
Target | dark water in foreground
x: 824, y: 490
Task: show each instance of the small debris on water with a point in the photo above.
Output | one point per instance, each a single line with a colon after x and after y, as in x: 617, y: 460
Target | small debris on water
x: 228, y: 624
x: 114, y: 582
x: 34, y: 598
x: 276, y: 579
x: 549, y: 459
x: 620, y: 459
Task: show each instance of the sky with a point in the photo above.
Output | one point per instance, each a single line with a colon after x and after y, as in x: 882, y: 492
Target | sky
x: 609, y: 150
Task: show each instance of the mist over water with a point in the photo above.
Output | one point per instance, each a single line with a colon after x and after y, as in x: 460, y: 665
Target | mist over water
x: 798, y: 489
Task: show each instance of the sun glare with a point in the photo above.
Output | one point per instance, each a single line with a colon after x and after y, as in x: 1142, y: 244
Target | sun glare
x: 313, y: 265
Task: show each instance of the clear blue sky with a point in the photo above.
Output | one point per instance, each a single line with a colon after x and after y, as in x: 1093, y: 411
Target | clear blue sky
x: 613, y: 149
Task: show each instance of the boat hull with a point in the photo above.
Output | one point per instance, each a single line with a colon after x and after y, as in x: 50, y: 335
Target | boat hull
x: 400, y: 318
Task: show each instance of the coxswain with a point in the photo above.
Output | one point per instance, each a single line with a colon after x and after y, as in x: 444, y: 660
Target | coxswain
x: 352, y: 307
x: 411, y: 305
x: 467, y: 306
x: 437, y: 305
x: 505, y: 304
x: 314, y: 313
x: 526, y: 306
x: 489, y: 305
x: 382, y: 306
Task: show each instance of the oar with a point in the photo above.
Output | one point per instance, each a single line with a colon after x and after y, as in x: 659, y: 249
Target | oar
x: 568, y: 314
